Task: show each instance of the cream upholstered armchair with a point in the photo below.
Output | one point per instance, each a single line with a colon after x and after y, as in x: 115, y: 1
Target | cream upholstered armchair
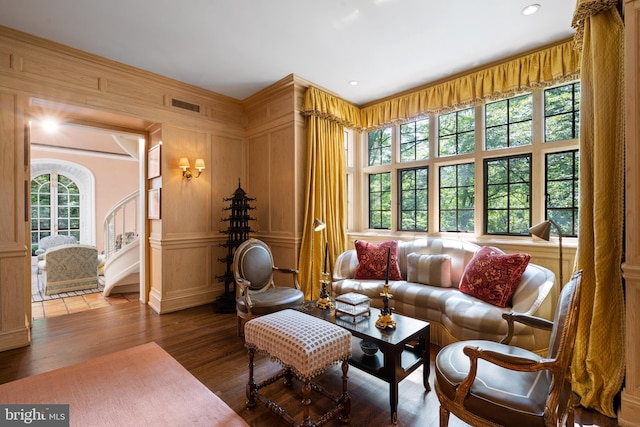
x: 49, y: 242
x: 256, y: 292
x: 485, y: 383
x: 69, y: 268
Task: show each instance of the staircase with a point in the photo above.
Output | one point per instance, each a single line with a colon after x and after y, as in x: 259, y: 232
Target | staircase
x: 122, y: 246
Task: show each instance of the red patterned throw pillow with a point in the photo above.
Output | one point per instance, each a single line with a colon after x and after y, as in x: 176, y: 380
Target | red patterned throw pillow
x: 493, y: 276
x: 372, y: 260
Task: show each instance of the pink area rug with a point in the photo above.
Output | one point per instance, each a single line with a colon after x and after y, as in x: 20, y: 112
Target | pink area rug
x: 140, y: 386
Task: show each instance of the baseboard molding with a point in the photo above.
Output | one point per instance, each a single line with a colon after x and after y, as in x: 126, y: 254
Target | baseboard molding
x: 629, y: 415
x: 163, y: 305
x: 15, y: 339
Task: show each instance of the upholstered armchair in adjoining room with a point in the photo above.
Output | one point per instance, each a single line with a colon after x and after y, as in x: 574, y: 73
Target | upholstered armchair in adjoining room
x: 69, y: 268
x: 485, y: 383
x: 49, y: 242
x: 256, y: 292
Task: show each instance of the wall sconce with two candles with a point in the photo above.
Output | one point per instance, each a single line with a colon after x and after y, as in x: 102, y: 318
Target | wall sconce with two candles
x: 186, y: 168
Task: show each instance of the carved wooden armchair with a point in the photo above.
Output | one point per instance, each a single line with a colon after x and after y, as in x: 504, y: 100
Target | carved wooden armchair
x: 485, y: 383
x: 256, y: 292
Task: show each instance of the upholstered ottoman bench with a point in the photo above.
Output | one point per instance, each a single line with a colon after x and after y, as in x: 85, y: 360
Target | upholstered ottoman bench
x: 305, y: 346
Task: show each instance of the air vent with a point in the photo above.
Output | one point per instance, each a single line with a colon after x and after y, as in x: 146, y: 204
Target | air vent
x: 185, y: 105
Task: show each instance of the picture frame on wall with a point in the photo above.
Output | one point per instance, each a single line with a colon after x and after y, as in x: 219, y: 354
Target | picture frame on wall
x: 153, y: 162
x: 153, y: 204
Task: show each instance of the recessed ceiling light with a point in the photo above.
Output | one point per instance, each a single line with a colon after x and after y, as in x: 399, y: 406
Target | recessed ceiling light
x: 353, y: 83
x: 531, y: 9
x: 50, y: 125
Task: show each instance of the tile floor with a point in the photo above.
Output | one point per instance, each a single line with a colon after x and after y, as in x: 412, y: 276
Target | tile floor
x: 62, y: 306
x: 73, y: 304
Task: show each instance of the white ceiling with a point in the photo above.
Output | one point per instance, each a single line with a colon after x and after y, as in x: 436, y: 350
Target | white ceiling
x: 237, y: 47
x: 73, y: 138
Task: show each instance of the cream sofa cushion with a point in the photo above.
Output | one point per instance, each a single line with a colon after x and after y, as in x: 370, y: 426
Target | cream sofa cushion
x: 434, y: 270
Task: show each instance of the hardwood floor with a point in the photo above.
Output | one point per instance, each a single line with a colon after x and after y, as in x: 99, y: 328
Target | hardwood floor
x: 205, y: 343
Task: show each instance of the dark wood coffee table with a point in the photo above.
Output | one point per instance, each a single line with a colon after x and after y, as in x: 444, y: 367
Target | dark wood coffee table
x: 402, y: 350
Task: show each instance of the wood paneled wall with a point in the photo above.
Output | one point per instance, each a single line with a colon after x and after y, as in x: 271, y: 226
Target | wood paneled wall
x: 15, y: 291
x: 629, y: 414
x: 40, y: 77
x: 276, y: 163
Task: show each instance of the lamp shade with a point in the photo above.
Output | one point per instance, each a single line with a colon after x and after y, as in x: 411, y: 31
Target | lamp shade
x: 541, y: 230
x: 318, y: 225
x: 184, y: 163
x: 199, y: 164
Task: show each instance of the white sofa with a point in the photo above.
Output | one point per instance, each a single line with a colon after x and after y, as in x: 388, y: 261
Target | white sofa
x: 453, y: 315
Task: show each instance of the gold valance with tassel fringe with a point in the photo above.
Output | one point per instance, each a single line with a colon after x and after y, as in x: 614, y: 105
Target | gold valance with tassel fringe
x: 585, y: 9
x: 322, y: 104
x: 546, y: 67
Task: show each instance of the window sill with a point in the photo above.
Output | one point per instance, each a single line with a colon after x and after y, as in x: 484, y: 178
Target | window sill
x: 484, y: 240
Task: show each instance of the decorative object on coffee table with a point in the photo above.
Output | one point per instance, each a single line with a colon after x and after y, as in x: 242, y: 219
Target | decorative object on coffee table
x: 353, y: 304
x: 384, y: 320
x: 369, y: 348
x: 237, y: 232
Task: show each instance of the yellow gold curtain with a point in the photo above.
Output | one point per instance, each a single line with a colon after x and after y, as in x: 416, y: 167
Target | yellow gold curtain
x: 598, y: 360
x: 548, y: 66
x: 325, y: 199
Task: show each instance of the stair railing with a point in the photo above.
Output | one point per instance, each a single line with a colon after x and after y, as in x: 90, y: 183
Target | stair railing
x: 121, y: 224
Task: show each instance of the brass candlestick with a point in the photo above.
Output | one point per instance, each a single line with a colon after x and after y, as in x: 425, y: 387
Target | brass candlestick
x: 384, y: 319
x: 324, y: 302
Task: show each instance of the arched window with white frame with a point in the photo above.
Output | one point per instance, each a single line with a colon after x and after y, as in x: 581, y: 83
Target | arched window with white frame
x: 62, y: 201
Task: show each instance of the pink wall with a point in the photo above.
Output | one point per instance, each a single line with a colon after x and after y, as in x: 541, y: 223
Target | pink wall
x: 114, y: 179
